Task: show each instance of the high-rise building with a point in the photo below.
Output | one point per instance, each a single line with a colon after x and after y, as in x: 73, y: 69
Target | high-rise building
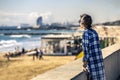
x: 39, y: 21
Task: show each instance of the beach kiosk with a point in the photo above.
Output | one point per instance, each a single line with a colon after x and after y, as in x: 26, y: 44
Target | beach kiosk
x: 62, y: 44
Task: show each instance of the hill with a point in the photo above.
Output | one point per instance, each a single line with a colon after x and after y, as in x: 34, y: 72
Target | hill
x: 112, y: 23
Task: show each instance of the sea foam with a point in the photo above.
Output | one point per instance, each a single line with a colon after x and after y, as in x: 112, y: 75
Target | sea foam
x: 8, y: 43
x: 20, y: 36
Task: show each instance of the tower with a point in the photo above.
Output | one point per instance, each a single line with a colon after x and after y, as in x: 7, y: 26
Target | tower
x: 39, y: 21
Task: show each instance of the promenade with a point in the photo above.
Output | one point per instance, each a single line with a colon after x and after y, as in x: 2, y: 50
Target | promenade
x: 73, y: 70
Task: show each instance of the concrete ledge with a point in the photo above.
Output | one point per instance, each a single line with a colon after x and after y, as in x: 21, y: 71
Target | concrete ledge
x: 65, y: 72
x: 110, y: 50
x: 112, y: 62
x: 73, y: 70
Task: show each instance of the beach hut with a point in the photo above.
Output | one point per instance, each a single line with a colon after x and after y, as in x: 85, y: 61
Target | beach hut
x: 63, y: 44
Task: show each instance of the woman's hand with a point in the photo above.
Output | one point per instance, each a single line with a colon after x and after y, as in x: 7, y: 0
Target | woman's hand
x: 84, y: 66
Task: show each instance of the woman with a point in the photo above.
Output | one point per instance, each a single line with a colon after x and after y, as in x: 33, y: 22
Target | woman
x: 92, y: 58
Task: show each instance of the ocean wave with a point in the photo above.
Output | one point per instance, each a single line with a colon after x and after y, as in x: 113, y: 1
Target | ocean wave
x: 1, y: 34
x: 8, y: 43
x: 20, y: 36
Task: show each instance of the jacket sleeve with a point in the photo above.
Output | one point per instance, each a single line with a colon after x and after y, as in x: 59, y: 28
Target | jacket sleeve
x: 85, y: 46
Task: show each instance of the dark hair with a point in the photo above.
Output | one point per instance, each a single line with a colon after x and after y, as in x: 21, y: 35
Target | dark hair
x: 86, y: 20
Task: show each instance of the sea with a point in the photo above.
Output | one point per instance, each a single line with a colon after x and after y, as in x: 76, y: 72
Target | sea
x: 8, y: 43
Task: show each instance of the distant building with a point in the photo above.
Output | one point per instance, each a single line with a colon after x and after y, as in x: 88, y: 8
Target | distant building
x: 24, y: 26
x: 58, y: 26
x: 5, y: 27
x: 39, y: 21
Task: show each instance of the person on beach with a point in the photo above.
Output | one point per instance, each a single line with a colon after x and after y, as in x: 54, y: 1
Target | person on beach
x: 7, y: 56
x: 40, y: 54
x: 23, y: 50
x: 36, y: 53
x: 92, y: 59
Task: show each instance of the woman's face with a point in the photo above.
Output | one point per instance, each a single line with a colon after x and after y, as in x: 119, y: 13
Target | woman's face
x: 81, y: 24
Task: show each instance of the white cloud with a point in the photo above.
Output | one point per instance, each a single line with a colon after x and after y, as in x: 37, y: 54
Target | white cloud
x: 47, y: 17
x: 18, y: 18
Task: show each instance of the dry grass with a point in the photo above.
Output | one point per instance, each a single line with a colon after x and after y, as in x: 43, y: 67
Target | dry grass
x: 24, y: 68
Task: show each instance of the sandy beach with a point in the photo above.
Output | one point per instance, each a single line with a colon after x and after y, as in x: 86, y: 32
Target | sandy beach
x: 24, y: 68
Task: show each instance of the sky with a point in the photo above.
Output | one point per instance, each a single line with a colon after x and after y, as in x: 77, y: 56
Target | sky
x: 15, y: 12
